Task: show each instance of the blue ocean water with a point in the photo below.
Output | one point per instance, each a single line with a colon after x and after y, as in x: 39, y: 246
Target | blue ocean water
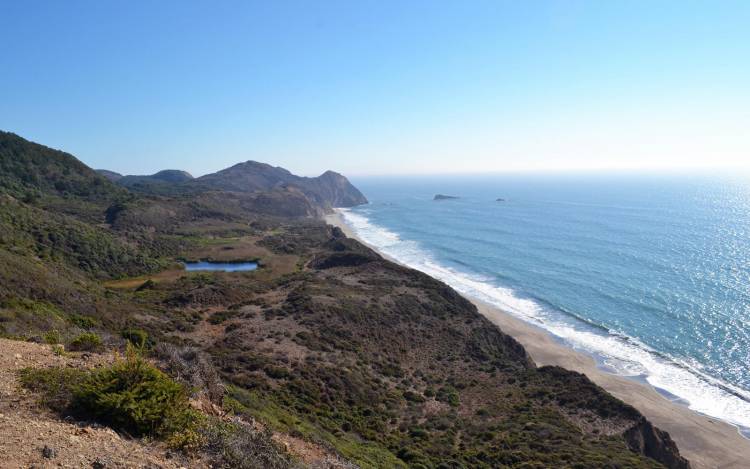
x: 650, y: 273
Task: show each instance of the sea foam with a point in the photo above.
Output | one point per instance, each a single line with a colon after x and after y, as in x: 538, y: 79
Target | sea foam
x: 622, y: 354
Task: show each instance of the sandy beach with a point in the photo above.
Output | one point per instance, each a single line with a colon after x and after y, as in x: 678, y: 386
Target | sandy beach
x: 706, y: 442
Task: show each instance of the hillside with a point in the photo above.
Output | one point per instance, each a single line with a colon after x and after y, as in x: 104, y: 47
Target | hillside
x: 328, y: 190
x: 51, y: 178
x: 29, y: 170
x: 328, y: 355
x: 323, y: 192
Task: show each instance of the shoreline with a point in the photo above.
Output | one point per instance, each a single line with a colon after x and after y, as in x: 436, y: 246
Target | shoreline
x: 705, y: 441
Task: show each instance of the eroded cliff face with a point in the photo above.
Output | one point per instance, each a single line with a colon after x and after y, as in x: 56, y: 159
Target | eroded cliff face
x: 335, y: 190
x: 650, y: 441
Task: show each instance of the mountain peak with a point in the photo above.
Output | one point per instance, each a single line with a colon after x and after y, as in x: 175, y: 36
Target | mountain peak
x: 327, y: 190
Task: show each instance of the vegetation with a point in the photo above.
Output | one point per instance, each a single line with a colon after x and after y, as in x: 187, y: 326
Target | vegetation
x: 33, y: 173
x: 131, y: 396
x: 134, y: 396
x: 54, y: 385
x: 237, y: 445
x: 52, y: 337
x: 87, y: 342
x: 328, y: 342
x: 138, y: 338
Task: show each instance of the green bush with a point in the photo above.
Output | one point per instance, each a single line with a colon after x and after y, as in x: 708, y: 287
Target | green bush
x: 56, y: 385
x: 87, y: 342
x: 222, y: 316
x: 449, y: 395
x: 137, y: 337
x: 52, y: 337
x: 134, y: 396
x: 84, y: 322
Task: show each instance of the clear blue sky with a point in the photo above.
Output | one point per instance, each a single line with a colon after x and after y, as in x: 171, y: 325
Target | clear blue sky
x: 380, y: 87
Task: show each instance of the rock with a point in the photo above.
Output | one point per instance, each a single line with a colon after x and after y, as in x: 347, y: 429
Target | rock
x: 17, y: 356
x: 649, y: 441
x: 48, y: 452
x: 444, y: 197
x: 500, y: 200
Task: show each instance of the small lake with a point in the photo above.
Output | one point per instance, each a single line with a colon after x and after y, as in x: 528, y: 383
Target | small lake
x: 222, y: 266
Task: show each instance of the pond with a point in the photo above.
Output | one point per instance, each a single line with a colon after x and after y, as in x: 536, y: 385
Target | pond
x: 222, y: 266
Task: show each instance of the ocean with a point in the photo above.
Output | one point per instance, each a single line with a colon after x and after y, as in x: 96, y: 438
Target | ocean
x: 650, y: 274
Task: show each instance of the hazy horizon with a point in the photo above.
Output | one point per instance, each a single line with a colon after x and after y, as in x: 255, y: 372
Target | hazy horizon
x: 377, y: 88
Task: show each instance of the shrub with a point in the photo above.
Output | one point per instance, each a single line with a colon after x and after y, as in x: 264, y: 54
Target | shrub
x: 190, y: 438
x: 239, y: 445
x: 193, y: 368
x: 137, y: 337
x: 87, y: 342
x: 56, y: 385
x: 52, y: 337
x: 413, y: 396
x: 134, y: 396
x: 449, y: 395
x: 84, y: 322
x: 222, y: 316
x: 276, y: 372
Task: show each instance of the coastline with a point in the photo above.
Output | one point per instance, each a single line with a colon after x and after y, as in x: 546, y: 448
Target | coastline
x: 705, y: 441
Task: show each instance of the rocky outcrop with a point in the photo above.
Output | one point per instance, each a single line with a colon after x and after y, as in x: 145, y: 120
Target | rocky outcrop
x: 656, y: 444
x: 327, y: 190
x: 333, y: 189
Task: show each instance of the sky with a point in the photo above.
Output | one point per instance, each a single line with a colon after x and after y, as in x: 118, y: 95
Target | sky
x: 380, y: 87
